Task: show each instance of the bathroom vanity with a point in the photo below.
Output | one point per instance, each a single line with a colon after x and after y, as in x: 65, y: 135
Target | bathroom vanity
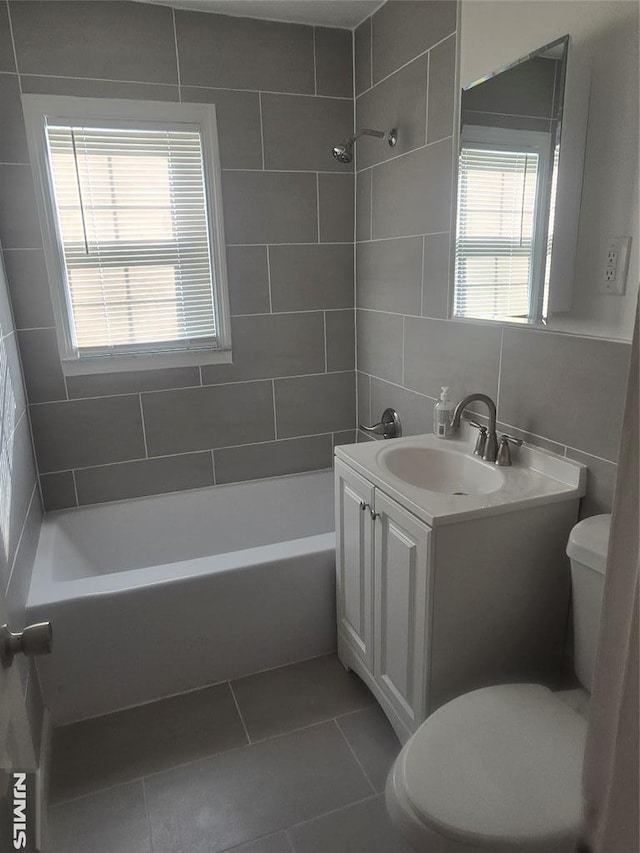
x: 451, y: 571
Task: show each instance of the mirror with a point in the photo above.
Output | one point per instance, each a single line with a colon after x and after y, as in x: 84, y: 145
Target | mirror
x: 510, y: 132
x: 548, y: 165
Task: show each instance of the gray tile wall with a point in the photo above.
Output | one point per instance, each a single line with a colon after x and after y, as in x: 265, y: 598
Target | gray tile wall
x: 560, y: 391
x: 20, y: 507
x: 284, y: 96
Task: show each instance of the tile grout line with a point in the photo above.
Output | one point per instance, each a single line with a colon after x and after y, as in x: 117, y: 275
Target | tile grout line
x: 269, y: 280
x: 275, y: 413
x: 75, y: 486
x: 424, y: 240
x: 352, y: 751
x: 13, y: 44
x: 213, y: 467
x: 315, y: 62
x: 22, y: 529
x: 318, y: 203
x: 326, y: 355
x: 237, y: 704
x: 343, y: 807
x: 146, y: 811
x: 175, y: 44
x: 426, y: 99
x: 144, y: 431
x: 261, y: 131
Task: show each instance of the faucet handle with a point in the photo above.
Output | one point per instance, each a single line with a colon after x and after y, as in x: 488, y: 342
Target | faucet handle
x: 481, y: 443
x: 504, y: 452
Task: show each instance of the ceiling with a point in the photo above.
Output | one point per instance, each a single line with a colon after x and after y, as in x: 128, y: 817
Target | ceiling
x: 324, y: 13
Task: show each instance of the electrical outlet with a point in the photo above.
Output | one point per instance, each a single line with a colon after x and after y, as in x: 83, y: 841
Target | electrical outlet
x: 616, y: 262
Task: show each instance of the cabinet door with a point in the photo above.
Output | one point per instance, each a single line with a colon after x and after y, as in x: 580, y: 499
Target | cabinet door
x: 402, y: 586
x: 354, y: 560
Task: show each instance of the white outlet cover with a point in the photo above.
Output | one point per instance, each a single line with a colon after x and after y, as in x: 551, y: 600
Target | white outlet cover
x: 615, y: 267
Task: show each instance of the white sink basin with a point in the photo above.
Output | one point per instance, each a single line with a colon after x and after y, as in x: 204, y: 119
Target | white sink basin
x: 444, y: 471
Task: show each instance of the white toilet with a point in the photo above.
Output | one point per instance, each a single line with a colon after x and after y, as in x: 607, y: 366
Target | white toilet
x: 498, y: 770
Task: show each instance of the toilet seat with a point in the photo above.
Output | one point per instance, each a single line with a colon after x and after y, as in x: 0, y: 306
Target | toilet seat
x: 498, y: 768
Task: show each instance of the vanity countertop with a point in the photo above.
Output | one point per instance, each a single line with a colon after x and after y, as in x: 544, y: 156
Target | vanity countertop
x: 535, y: 478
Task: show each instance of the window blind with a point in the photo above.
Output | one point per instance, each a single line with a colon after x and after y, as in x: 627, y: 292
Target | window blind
x: 496, y: 222
x: 132, y: 216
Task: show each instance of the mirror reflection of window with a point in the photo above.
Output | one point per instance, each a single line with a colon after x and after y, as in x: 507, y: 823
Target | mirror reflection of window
x: 507, y: 175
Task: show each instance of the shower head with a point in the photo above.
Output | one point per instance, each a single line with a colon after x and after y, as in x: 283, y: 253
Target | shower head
x: 343, y: 152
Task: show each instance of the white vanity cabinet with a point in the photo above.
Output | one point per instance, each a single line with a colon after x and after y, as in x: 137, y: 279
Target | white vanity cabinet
x: 382, y: 582
x: 436, y: 599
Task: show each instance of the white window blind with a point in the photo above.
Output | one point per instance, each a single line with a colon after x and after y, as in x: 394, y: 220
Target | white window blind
x: 495, y: 232
x: 131, y: 207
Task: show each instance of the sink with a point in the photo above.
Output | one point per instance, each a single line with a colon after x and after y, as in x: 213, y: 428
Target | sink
x: 445, y: 471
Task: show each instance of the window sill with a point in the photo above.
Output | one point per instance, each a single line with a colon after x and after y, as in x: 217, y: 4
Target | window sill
x: 145, y: 361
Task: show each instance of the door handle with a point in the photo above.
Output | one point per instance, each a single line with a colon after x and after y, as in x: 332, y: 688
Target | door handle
x: 35, y: 639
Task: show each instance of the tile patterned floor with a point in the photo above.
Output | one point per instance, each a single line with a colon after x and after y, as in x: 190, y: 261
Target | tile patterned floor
x: 293, y: 760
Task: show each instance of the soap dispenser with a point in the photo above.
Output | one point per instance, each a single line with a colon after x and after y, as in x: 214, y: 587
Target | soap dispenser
x: 442, y: 414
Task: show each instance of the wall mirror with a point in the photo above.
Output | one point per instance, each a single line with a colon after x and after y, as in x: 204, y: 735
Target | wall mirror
x: 510, y: 134
x: 548, y: 164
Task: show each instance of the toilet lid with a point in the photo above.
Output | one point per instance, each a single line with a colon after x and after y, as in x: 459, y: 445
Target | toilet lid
x: 500, y: 764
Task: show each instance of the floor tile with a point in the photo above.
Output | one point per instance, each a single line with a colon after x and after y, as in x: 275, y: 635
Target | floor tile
x: 374, y: 742
x: 105, y: 751
x: 112, y: 821
x: 298, y: 695
x: 244, y: 794
x: 361, y: 828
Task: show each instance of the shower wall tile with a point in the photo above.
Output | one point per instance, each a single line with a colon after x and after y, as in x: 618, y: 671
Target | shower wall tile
x: 404, y: 29
x: 340, y: 339
x: 272, y: 459
x: 7, y: 60
x: 442, y: 70
x: 399, y: 101
x: 315, y: 404
x: 248, y: 278
x: 362, y: 45
x: 204, y: 418
x: 269, y: 345
x: 334, y: 62
x: 363, y: 385
x: 244, y: 53
x: 13, y: 141
x: 435, y: 276
x: 289, y: 235
x: 300, y: 132
x: 380, y: 344
x: 463, y: 356
x: 132, y: 382
x: 29, y: 288
x: 238, y: 120
x: 145, y: 477
x: 79, y: 433
x: 113, y: 40
x: 19, y: 226
x: 270, y: 207
x: 42, y: 372
x: 336, y: 207
x: 58, y: 490
x: 389, y: 275
x: 580, y: 405
x: 79, y: 88
x: 304, y: 278
x: 412, y: 195
x: 416, y: 409
x: 601, y: 482
x: 363, y: 205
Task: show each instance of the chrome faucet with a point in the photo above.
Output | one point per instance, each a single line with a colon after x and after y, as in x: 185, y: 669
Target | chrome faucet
x: 490, y: 449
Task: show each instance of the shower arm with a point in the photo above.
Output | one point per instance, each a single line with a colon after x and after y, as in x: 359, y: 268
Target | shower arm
x: 379, y: 134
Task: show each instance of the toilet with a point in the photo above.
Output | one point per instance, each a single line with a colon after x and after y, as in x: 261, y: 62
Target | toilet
x: 498, y: 770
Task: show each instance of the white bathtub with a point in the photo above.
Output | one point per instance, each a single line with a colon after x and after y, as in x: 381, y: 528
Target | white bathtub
x: 155, y: 596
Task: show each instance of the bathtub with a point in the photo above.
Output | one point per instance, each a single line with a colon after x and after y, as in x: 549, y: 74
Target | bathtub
x: 159, y: 595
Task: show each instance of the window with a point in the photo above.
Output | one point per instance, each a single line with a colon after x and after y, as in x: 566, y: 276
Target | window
x: 130, y: 194
x: 501, y: 249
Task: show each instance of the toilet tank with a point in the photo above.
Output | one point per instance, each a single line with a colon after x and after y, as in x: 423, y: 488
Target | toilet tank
x: 587, y: 550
